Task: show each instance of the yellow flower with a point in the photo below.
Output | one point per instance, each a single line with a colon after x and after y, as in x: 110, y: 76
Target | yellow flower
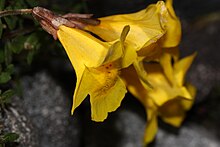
x: 147, y: 26
x: 170, y: 96
x: 97, y: 65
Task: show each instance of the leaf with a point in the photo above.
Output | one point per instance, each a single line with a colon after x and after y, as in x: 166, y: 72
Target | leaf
x: 4, y: 77
x: 2, y: 4
x: 17, y: 44
x: 30, y: 57
x: 11, y: 21
x: 10, y: 137
x: 6, y: 96
x: 10, y: 69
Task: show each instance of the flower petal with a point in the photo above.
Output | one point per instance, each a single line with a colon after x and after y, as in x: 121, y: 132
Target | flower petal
x: 173, y: 112
x: 192, y: 90
x: 166, y: 63
x: 152, y: 127
x: 146, y: 26
x: 163, y: 90
x: 107, y: 94
x: 83, y: 86
x: 181, y: 67
x: 142, y: 74
x: 133, y: 84
x: 102, y: 103
x: 173, y: 33
x: 82, y: 47
x: 119, y: 50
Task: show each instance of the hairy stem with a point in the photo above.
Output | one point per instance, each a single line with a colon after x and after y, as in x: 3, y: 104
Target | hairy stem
x: 15, y: 12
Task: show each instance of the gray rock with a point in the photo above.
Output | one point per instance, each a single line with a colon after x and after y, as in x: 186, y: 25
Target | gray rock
x: 48, y: 108
x: 15, y: 122
x: 192, y: 135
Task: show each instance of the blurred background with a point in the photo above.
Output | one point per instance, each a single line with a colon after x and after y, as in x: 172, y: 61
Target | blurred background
x: 37, y: 82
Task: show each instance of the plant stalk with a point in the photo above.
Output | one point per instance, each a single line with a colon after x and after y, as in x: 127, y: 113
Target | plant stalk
x: 15, y: 12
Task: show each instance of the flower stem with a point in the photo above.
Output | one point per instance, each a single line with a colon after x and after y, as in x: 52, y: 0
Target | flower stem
x: 15, y: 12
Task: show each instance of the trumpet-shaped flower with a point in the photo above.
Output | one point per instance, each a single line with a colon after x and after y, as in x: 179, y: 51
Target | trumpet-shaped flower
x: 97, y: 65
x: 169, y: 98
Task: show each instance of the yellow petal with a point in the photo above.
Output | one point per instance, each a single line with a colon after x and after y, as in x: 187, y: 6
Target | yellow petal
x: 121, y: 50
x: 163, y: 90
x: 105, y: 88
x: 107, y: 101
x: 173, y: 112
x: 81, y: 47
x: 174, y: 52
x: 146, y: 26
x: 129, y: 56
x: 133, y: 84
x: 116, y: 51
x: 166, y: 63
x: 142, y: 74
x: 169, y: 5
x: 163, y: 94
x: 150, y: 53
x: 181, y: 67
x: 151, y: 128
x: 83, y: 86
x: 173, y: 27
x: 192, y: 90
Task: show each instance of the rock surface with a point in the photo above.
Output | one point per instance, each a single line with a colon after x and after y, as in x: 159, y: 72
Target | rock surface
x: 17, y: 122
x: 46, y: 105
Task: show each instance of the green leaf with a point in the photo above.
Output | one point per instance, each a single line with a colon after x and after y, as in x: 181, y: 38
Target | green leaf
x: 4, y: 77
x: 30, y: 57
x: 6, y: 96
x: 2, y: 4
x: 10, y: 69
x: 17, y: 44
x: 11, y: 21
x: 9, y: 137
